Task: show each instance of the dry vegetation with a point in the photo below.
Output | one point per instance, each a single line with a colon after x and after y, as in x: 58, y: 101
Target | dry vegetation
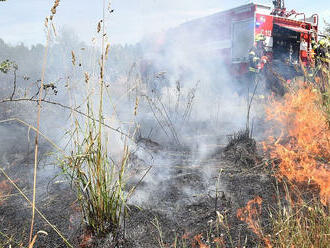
x: 299, y: 159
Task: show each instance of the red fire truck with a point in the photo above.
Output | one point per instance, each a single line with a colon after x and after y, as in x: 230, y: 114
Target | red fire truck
x: 229, y: 35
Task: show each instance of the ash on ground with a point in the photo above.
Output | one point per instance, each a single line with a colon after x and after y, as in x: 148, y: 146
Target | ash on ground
x: 178, y: 199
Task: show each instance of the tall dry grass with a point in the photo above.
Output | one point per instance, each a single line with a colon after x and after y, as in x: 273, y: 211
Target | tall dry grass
x: 97, y: 177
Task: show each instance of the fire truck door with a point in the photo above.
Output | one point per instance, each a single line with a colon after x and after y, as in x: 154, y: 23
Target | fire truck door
x: 286, y: 44
x: 242, y: 39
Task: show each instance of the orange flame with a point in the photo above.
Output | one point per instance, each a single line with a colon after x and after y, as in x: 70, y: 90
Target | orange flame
x: 185, y: 236
x: 5, y: 190
x: 86, y: 240
x: 305, y: 155
x: 220, y: 242
x: 198, y: 239
x: 250, y: 215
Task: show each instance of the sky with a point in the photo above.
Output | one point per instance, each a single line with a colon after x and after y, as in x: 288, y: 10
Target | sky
x: 22, y: 20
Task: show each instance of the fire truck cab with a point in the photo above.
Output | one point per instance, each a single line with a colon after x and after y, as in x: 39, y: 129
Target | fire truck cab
x: 288, y: 37
x: 231, y: 34
x: 228, y: 36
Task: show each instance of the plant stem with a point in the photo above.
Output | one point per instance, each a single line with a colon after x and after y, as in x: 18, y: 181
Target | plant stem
x: 37, y: 133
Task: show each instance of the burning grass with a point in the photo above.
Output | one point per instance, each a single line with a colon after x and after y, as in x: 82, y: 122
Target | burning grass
x: 301, y: 154
x: 242, y: 149
x: 98, y: 179
x: 250, y: 214
x: 303, y: 149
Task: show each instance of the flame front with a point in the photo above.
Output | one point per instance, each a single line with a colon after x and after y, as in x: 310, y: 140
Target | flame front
x: 304, y: 147
x: 250, y: 214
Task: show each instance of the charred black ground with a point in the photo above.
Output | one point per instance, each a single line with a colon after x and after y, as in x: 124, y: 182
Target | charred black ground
x: 184, y: 204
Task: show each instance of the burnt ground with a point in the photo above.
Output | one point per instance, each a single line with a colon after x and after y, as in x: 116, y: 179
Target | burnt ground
x: 178, y: 198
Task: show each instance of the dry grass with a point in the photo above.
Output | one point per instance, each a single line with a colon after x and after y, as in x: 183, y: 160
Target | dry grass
x: 299, y: 223
x: 97, y: 178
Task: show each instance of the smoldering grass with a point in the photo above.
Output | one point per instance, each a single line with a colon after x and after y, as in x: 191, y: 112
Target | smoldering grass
x: 53, y: 11
x: 31, y: 127
x: 8, y: 241
x: 36, y: 209
x: 218, y: 235
x: 165, y: 117
x: 96, y: 177
x: 97, y: 180
x: 35, y: 238
x: 156, y: 224
x: 21, y: 193
x: 38, y: 127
